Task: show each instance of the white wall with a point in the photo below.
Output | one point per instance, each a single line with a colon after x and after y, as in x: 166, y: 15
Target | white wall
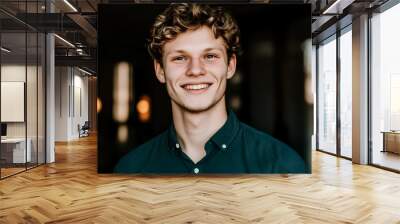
x: 33, y: 126
x: 14, y: 73
x: 62, y: 81
x: 71, y: 102
x: 17, y: 73
x: 80, y: 89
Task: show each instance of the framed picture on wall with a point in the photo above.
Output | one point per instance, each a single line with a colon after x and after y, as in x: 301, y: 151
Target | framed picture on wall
x: 196, y: 88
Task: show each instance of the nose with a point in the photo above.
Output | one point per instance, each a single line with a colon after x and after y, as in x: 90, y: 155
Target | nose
x: 195, y: 67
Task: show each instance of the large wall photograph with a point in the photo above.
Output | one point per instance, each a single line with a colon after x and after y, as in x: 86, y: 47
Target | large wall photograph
x: 204, y: 89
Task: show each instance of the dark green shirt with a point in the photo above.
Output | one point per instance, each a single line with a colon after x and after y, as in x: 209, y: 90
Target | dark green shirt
x: 234, y: 148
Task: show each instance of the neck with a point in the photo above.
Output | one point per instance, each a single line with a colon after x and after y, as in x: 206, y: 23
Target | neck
x: 194, y: 129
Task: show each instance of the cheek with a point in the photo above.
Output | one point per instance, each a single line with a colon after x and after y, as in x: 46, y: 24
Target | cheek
x: 174, y: 71
x: 172, y: 76
x: 219, y: 71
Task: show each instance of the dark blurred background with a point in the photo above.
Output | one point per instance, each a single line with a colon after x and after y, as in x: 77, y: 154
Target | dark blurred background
x: 267, y: 92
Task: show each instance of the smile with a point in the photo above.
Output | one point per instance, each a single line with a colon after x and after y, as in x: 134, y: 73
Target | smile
x: 196, y: 88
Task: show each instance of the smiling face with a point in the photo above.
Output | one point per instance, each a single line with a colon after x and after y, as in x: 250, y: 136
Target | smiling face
x: 195, y: 69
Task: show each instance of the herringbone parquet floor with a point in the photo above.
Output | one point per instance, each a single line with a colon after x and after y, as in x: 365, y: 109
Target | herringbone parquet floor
x: 70, y: 191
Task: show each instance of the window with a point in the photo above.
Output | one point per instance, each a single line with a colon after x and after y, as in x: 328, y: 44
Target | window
x: 346, y: 92
x: 22, y: 76
x: 385, y: 88
x: 327, y: 95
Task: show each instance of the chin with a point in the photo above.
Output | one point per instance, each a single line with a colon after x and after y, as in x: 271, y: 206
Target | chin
x: 197, y: 108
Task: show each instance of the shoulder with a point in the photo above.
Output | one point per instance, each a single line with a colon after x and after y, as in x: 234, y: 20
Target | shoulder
x: 136, y: 159
x: 280, y: 157
x: 256, y: 135
x: 262, y: 139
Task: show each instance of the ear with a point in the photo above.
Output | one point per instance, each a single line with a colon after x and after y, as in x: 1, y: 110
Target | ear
x: 159, y: 71
x: 231, y: 66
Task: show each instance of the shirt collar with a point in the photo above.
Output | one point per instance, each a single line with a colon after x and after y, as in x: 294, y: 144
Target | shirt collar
x: 222, y: 138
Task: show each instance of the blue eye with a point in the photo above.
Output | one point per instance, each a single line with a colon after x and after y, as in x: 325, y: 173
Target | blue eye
x: 179, y: 58
x: 211, y: 56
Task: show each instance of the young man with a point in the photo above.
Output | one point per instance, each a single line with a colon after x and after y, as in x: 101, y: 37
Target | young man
x: 194, y: 49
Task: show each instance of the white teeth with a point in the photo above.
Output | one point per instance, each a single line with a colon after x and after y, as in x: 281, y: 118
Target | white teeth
x: 196, y: 87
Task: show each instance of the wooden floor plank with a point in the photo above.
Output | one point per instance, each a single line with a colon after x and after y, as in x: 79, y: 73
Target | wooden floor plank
x: 70, y: 191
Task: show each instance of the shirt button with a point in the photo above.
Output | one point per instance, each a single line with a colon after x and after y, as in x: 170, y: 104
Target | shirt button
x: 223, y: 146
x: 177, y: 145
x: 196, y: 170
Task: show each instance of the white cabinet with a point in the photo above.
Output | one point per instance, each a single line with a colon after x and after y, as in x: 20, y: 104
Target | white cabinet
x: 19, y: 155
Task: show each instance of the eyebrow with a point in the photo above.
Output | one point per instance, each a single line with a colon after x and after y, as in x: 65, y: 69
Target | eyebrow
x: 205, y: 50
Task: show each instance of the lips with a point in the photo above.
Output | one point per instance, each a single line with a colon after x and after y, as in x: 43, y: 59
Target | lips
x: 196, y: 87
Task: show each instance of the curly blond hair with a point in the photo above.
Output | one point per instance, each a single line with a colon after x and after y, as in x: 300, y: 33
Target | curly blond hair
x: 181, y: 17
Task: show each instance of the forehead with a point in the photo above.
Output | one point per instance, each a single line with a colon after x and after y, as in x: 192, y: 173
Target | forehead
x: 195, y: 41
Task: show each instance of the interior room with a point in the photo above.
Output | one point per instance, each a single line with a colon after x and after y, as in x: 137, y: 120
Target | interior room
x: 49, y: 103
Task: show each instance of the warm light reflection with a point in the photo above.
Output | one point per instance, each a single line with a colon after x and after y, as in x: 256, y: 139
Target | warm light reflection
x: 121, y: 96
x: 122, y: 134
x: 144, y: 117
x: 308, y: 92
x: 143, y: 108
x: 235, y: 102
x: 99, y: 105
